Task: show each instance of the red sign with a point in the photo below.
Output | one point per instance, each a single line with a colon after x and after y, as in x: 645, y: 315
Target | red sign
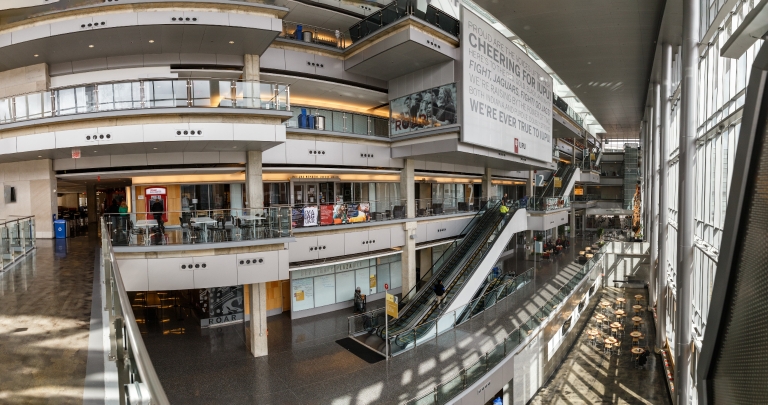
x: 386, y: 286
x: 326, y: 214
x: 516, y: 145
x: 75, y: 153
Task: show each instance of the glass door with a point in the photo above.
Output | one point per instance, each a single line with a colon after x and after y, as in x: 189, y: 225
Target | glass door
x: 298, y: 194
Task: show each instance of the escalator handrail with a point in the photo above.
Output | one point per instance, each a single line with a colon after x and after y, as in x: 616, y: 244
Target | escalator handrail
x: 414, y: 293
x: 419, y: 294
x: 551, y: 184
x: 462, y: 270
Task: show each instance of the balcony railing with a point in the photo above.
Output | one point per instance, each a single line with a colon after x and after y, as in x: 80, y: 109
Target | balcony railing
x: 338, y: 121
x: 145, y: 94
x: 201, y: 226
x: 315, y: 35
x: 443, y: 392
x: 138, y: 382
x: 17, y: 238
x: 547, y: 203
x: 563, y: 106
x: 400, y: 9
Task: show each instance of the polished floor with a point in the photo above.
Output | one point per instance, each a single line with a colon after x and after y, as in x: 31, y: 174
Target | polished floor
x: 45, y: 314
x: 589, y: 375
x: 306, y: 366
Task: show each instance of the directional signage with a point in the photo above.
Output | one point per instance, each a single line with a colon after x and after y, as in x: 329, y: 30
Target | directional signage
x: 392, y: 306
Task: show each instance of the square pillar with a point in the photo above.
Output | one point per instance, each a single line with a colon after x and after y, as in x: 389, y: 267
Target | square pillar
x: 93, y: 204
x: 251, y: 71
x: 256, y: 326
x: 408, y: 259
x: 407, y: 190
x: 254, y: 183
x: 489, y: 190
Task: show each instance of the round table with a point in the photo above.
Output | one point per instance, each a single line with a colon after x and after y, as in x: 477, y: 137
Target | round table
x: 588, y: 256
x: 611, y: 341
x: 637, y: 319
x: 605, y: 304
x: 638, y: 296
x: 638, y: 351
x: 621, y: 300
x: 635, y: 334
x: 581, y: 252
x: 616, y: 325
x: 637, y: 307
x: 593, y: 332
x: 618, y: 312
x: 587, y: 249
x: 600, y: 316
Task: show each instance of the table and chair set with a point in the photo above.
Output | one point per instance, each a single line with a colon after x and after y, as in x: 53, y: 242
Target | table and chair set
x: 608, y: 327
x: 206, y: 228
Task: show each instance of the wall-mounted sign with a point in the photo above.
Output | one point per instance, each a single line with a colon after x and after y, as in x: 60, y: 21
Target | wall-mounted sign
x: 426, y: 109
x: 155, y: 191
x: 315, y: 177
x: 506, y: 97
x: 75, y: 153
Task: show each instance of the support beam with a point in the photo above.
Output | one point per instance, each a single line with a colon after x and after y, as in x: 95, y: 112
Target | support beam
x: 254, y: 182
x: 256, y: 327
x: 408, y: 258
x: 251, y: 71
x: 407, y: 188
x: 685, y: 199
x: 489, y: 190
x: 661, y: 301
x: 90, y: 198
x: 654, y: 173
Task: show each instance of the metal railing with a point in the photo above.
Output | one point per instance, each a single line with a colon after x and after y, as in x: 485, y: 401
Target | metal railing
x: 136, y: 376
x: 426, y: 207
x: 399, y: 9
x: 198, y: 226
x: 347, y: 212
x: 145, y: 94
x: 315, y: 35
x: 17, y: 238
x: 586, y: 197
x: 548, y: 203
x: 338, y: 121
x: 450, y: 388
x: 563, y: 106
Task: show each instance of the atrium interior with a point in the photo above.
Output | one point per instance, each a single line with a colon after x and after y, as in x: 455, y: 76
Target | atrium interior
x: 412, y: 202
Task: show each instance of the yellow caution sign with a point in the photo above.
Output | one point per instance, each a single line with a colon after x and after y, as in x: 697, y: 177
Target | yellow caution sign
x: 392, y: 306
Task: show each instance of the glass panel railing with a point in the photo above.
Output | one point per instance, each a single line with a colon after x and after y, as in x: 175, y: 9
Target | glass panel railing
x: 145, y: 94
x: 452, y: 386
x: 201, y: 226
x: 563, y: 106
x: 137, y: 378
x: 398, y: 10
x: 314, y: 35
x: 339, y: 121
x: 17, y: 238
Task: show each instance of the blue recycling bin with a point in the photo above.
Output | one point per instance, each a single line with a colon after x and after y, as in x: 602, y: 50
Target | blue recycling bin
x: 60, y: 228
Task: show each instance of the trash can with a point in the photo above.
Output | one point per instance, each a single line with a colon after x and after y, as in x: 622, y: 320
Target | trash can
x: 60, y: 228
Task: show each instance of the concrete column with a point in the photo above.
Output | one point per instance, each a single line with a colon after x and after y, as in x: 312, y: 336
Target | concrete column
x: 254, y: 183
x: 654, y: 173
x: 661, y: 301
x: 408, y: 258
x: 251, y: 69
x: 407, y: 189
x: 685, y: 199
x: 573, y: 215
x: 425, y: 259
x: 256, y: 328
x: 489, y: 190
x: 93, y: 205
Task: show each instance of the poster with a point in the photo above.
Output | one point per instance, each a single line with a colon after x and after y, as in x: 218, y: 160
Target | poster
x: 221, y: 305
x: 310, y: 216
x: 303, y: 294
x: 297, y: 217
x: 426, y: 109
x: 326, y: 214
x: 506, y: 98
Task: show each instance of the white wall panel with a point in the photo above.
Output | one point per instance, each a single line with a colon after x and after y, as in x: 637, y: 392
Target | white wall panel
x: 29, y: 143
x: 219, y: 271
x: 166, y: 274
x: 299, y: 151
x: 353, y: 242
x: 396, y: 236
x: 269, y: 270
x: 120, y: 134
x: 329, y: 246
x: 274, y: 155
x: 134, y: 272
x: 355, y: 154
x: 380, y: 239
x: 299, y: 251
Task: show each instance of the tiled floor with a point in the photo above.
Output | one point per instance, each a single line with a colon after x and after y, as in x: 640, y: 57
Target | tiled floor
x: 306, y: 366
x: 590, y: 376
x: 45, y: 312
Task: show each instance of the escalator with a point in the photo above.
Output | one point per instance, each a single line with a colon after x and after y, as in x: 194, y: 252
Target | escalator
x: 418, y: 303
x: 472, y: 259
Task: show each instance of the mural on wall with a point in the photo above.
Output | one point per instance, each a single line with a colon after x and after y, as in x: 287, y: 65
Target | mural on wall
x: 426, y: 109
x: 222, y: 305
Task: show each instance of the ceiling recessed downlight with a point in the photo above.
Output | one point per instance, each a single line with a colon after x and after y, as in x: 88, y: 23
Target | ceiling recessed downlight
x: 90, y: 46
x: 151, y: 41
x: 231, y: 42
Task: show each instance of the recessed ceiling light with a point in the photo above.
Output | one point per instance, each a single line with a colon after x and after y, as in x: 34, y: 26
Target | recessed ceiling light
x: 231, y: 42
x: 234, y: 147
x: 36, y: 55
x: 90, y: 46
x: 154, y: 148
x: 95, y: 151
x: 151, y: 41
x: 39, y: 156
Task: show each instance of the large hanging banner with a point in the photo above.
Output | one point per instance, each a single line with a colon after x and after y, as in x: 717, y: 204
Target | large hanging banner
x: 506, y: 96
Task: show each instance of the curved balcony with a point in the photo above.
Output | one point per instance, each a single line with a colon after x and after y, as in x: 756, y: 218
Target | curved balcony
x: 143, y: 95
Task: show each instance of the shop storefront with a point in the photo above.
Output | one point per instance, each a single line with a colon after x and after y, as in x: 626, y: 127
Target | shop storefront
x: 331, y: 287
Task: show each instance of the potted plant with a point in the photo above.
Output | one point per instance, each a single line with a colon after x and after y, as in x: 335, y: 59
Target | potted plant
x: 600, y: 234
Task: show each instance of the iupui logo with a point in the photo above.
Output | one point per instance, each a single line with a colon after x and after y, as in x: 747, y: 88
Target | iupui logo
x: 516, y: 146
